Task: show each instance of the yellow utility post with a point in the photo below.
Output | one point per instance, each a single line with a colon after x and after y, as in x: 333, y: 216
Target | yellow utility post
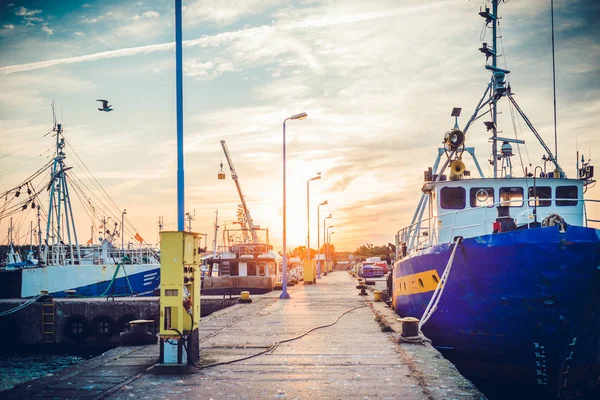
x: 309, y: 272
x: 179, y: 300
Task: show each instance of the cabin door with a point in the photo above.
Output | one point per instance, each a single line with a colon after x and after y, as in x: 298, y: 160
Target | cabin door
x: 243, y: 271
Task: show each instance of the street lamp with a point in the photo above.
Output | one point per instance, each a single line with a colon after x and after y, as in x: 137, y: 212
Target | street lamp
x: 308, y: 212
x: 319, y: 238
x: 329, y: 241
x: 325, y: 237
x: 326, y: 245
x: 284, y: 293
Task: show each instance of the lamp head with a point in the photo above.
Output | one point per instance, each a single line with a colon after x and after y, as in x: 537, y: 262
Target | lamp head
x: 315, y: 178
x: 328, y: 216
x: 323, y: 203
x: 299, y: 116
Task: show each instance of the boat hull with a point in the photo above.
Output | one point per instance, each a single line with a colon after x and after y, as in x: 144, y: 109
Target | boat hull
x: 522, y: 306
x: 86, y: 280
x: 234, y: 285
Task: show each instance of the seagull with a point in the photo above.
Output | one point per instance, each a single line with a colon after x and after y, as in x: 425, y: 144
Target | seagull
x: 105, y: 106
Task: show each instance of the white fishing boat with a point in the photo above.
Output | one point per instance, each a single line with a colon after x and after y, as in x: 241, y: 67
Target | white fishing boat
x: 98, y: 268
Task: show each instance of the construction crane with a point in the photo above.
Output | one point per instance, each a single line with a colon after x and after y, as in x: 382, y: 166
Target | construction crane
x: 248, y: 225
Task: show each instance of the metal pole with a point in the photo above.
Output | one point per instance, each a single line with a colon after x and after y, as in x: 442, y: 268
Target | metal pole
x: 308, y: 219
x: 494, y: 105
x: 179, y: 90
x: 319, y: 241
x: 284, y: 293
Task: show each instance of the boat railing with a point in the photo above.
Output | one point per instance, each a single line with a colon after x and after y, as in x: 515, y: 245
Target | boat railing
x: 425, y: 232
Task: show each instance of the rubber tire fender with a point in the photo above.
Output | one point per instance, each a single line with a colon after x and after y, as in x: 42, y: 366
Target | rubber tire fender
x: 103, y: 327
x: 76, y: 328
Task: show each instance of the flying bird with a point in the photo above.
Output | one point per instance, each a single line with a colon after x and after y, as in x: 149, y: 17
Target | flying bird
x: 105, y: 106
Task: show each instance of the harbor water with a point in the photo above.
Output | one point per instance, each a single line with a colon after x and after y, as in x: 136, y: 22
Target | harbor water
x: 22, y: 366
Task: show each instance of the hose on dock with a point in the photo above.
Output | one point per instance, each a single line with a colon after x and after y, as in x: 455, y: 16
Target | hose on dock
x: 273, y: 346
x: 21, y: 306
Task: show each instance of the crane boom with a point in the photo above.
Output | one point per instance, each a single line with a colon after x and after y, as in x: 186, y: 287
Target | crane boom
x: 248, y: 224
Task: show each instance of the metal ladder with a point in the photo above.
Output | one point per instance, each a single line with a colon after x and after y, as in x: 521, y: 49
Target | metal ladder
x: 48, y: 322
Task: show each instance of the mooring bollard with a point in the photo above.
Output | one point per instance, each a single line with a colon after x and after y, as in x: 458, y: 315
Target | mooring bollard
x: 410, y: 326
x: 245, y: 297
x: 138, y: 334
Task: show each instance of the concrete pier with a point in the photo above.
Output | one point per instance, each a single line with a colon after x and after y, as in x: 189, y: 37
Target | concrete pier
x: 350, y: 359
x: 84, y: 321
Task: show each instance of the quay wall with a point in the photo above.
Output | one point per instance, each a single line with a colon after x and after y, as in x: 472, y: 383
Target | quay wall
x: 93, y: 321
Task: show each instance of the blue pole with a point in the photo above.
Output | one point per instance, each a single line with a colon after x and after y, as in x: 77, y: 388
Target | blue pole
x: 179, y: 85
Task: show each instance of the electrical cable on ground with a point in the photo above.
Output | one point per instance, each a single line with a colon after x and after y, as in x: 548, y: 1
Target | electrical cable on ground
x: 272, y: 347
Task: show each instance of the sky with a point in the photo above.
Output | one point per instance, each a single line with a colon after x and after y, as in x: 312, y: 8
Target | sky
x: 378, y: 80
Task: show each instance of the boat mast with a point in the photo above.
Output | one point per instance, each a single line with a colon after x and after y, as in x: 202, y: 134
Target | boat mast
x: 59, y: 193
x: 216, y: 233
x: 494, y: 104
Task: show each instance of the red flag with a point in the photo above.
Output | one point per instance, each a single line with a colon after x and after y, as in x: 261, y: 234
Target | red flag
x: 89, y: 241
x: 139, y: 238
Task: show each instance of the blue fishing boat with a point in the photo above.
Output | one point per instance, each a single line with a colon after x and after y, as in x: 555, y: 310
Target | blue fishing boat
x: 64, y: 266
x: 504, y: 271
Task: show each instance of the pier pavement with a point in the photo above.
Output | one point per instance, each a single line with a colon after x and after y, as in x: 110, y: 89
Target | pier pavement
x: 351, y: 359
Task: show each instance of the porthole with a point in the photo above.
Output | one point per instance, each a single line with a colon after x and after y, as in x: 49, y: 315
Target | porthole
x: 435, y: 279
x: 421, y: 283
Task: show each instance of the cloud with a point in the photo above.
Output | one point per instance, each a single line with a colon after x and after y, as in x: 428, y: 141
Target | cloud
x: 91, y: 20
x: 224, y: 12
x: 8, y: 27
x: 47, y: 30
x: 85, y: 5
x: 23, y: 12
x: 78, y: 33
x: 151, y: 14
x: 205, y: 41
x: 206, y: 70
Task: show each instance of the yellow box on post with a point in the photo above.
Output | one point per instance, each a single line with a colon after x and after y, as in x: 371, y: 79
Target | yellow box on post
x: 309, y: 271
x: 179, y: 299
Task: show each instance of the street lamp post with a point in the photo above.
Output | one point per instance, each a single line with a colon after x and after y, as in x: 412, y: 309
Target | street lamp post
x: 329, y: 246
x: 326, y: 244
x: 308, y: 213
x: 319, y: 238
x: 325, y: 237
x: 284, y: 293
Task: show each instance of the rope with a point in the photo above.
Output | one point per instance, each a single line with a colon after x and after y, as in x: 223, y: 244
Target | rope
x: 21, y: 306
x: 437, y: 294
x: 112, y: 281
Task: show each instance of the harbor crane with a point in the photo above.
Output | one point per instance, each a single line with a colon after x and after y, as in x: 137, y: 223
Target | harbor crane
x: 247, y: 223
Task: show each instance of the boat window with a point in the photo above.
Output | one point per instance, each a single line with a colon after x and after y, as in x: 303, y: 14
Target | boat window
x: 262, y: 269
x: 511, y: 196
x: 251, y: 269
x: 538, y: 194
x: 234, y: 269
x: 566, y: 192
x: 453, y: 198
x: 481, y: 197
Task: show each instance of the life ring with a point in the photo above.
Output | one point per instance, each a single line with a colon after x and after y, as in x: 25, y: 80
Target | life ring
x: 123, y: 322
x: 76, y: 328
x: 480, y: 195
x: 103, y: 327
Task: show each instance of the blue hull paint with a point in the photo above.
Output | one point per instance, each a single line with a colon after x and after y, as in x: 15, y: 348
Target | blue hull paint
x: 120, y: 286
x: 523, y: 305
